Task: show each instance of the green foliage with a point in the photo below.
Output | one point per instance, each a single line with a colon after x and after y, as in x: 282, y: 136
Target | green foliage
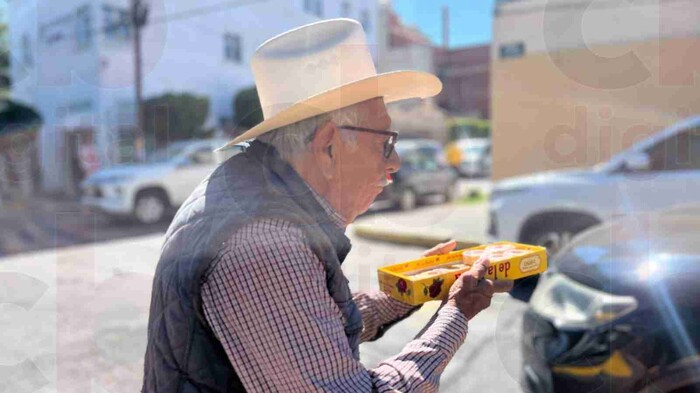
x: 473, y: 198
x: 246, y: 106
x: 171, y: 117
x: 16, y: 117
x: 468, y: 127
x: 4, y: 61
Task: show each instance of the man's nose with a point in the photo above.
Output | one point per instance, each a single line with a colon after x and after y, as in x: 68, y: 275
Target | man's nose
x: 393, y: 163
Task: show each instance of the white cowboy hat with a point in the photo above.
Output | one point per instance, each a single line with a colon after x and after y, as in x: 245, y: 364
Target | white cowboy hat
x: 321, y: 67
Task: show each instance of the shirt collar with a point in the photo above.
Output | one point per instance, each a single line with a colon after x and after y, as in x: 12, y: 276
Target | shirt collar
x: 335, y: 217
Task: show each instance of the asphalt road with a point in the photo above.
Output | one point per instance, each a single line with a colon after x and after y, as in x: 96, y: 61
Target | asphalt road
x: 74, y: 318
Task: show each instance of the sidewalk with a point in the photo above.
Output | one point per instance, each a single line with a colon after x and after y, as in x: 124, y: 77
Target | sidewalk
x: 45, y: 222
x: 427, y: 226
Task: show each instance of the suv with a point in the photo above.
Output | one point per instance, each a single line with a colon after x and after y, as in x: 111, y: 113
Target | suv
x: 146, y: 191
x: 471, y: 157
x: 617, y: 311
x: 424, y: 172
x: 549, y: 208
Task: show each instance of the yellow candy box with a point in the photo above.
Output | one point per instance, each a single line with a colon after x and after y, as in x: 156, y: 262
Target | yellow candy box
x: 430, y: 278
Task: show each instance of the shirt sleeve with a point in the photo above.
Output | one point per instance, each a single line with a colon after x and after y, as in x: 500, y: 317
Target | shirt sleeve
x: 379, y: 311
x: 267, y: 302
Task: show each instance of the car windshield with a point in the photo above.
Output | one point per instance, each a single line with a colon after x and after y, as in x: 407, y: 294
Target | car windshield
x: 475, y: 150
x: 166, y: 153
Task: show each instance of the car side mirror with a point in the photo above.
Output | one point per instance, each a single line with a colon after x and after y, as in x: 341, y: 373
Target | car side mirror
x: 637, y: 162
x: 202, y: 157
x: 184, y: 162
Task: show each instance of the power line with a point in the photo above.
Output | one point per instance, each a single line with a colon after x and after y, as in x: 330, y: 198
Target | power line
x: 503, y: 8
x: 199, y: 11
x: 193, y: 12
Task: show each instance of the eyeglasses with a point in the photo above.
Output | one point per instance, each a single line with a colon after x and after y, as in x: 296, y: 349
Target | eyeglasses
x: 390, y: 143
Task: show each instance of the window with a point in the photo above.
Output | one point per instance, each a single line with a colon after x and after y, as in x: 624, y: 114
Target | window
x: 421, y: 158
x: 345, y: 9
x: 27, y: 55
x: 314, y: 7
x: 232, y: 47
x: 203, y: 156
x: 680, y: 152
x: 83, y: 27
x: 512, y: 51
x: 117, y: 25
x: 366, y: 20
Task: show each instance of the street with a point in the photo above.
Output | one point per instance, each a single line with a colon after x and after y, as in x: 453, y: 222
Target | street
x: 74, y: 318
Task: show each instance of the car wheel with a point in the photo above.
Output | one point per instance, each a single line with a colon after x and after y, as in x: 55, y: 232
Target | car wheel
x: 555, y: 231
x: 451, y: 192
x: 150, y: 207
x: 552, y: 236
x: 407, y: 199
x: 553, y: 239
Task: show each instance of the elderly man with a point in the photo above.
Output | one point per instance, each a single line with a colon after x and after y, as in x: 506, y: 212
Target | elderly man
x: 249, y: 294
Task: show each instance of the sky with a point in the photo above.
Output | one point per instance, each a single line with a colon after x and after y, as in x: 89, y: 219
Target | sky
x: 470, y: 20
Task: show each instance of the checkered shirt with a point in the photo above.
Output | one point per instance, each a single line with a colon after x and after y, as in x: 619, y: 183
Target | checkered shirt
x: 267, y: 302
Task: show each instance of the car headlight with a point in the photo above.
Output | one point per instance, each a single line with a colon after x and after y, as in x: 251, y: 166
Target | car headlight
x: 114, y: 179
x: 501, y: 192
x: 572, y: 305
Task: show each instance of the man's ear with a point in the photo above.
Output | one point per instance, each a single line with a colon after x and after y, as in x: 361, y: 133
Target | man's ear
x: 324, y: 148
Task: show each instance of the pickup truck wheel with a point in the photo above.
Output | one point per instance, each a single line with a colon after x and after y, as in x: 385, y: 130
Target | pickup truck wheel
x: 555, y: 231
x: 451, y: 192
x: 407, y: 200
x: 150, y: 207
x: 553, y: 239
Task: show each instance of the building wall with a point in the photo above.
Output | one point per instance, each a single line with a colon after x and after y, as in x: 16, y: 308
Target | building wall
x: 572, y: 85
x: 465, y: 74
x: 94, y: 87
x: 543, y: 119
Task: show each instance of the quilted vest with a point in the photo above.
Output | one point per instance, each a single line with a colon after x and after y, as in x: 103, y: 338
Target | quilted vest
x: 182, y: 353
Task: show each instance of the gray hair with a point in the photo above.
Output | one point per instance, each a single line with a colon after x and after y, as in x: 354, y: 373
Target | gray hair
x: 293, y: 139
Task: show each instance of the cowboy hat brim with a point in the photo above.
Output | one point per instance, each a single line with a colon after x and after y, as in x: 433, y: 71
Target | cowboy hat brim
x: 392, y: 86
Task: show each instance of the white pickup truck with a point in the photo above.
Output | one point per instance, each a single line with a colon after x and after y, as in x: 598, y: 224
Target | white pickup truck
x: 146, y: 191
x: 548, y: 209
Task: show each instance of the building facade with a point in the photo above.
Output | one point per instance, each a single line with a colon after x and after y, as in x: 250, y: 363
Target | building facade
x: 465, y: 74
x: 73, y: 61
x: 575, y: 82
x: 403, y: 47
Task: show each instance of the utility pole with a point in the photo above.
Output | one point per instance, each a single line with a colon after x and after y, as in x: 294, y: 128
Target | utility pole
x: 139, y: 18
x: 446, y: 27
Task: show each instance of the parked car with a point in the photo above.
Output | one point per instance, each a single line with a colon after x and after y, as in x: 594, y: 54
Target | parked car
x: 424, y: 172
x: 550, y: 208
x: 618, y: 310
x: 147, y: 191
x: 471, y: 157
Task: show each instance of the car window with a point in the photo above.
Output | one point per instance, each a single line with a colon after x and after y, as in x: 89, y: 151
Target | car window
x: 679, y: 152
x: 428, y: 158
x: 203, y: 156
x: 167, y: 153
x: 410, y: 159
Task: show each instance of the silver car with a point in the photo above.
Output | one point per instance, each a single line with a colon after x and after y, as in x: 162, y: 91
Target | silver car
x: 148, y: 190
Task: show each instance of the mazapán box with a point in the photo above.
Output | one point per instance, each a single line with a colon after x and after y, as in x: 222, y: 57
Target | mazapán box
x: 430, y: 278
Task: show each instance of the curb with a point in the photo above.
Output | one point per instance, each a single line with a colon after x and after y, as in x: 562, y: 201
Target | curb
x: 410, y: 238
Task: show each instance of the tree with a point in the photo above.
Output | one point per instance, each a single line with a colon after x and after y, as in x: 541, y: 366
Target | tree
x: 171, y: 117
x: 246, y: 108
x: 4, y: 62
x: 468, y: 127
x: 16, y: 116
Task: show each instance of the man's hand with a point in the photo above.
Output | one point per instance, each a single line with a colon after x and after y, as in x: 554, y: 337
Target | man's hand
x: 442, y: 248
x: 471, y: 293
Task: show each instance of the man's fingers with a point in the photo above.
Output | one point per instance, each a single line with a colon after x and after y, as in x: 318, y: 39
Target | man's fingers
x: 486, y: 287
x: 442, y: 248
x: 502, y: 286
x: 478, y: 270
